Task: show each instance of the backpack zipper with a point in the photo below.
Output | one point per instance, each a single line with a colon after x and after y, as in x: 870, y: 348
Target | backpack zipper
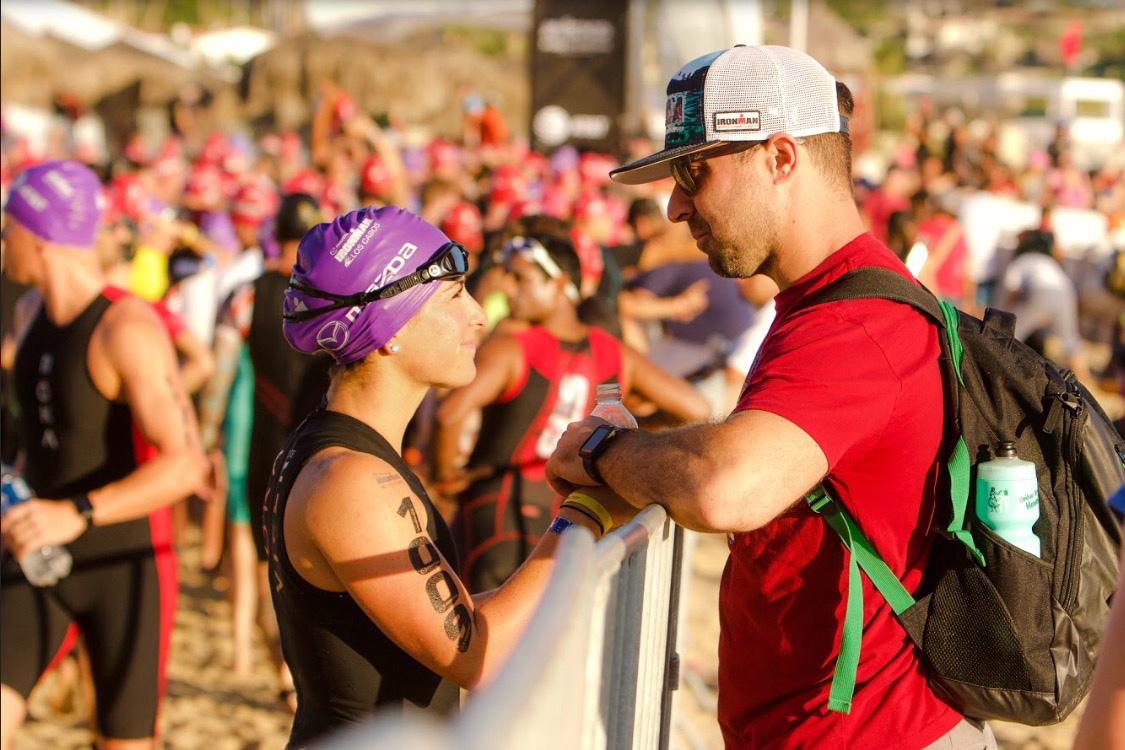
x: 1071, y: 398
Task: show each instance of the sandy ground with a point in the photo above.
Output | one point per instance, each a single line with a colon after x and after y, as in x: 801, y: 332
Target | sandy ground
x: 209, y: 707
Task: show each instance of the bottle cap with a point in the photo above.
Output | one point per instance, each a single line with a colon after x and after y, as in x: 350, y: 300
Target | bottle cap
x: 1006, y: 449
x: 609, y: 392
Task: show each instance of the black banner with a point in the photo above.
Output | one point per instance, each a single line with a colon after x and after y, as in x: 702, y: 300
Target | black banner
x: 578, y: 73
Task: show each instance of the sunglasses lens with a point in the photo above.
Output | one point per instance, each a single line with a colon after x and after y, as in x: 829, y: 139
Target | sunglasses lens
x: 682, y: 176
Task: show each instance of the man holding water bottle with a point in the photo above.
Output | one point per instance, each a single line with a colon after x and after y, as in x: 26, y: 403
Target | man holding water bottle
x: 108, y: 442
x: 848, y: 393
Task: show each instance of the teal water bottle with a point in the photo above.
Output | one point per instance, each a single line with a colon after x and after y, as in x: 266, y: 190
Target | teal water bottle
x: 1008, y: 498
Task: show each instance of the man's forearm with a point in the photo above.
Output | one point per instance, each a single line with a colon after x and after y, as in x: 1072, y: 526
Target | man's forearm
x: 733, y: 476
x: 670, y: 468
x: 166, y: 479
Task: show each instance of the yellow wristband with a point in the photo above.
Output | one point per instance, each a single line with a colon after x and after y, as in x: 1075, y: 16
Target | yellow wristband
x: 592, y: 505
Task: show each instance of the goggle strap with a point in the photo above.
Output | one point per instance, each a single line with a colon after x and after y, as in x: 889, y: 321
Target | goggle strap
x: 340, y: 301
x: 312, y: 291
x: 391, y: 290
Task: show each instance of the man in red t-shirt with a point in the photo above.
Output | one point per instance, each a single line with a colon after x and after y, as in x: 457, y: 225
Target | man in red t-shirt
x: 848, y: 393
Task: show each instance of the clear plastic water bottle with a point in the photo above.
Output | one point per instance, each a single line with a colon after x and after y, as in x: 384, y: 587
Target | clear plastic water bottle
x: 1008, y: 498
x: 608, y: 406
x: 48, y: 564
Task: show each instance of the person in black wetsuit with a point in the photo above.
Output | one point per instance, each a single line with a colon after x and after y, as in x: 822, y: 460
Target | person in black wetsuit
x: 362, y: 568
x: 109, y: 442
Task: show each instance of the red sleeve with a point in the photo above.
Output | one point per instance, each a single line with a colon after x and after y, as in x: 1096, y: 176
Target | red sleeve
x: 173, y: 323
x: 827, y: 375
x: 114, y: 293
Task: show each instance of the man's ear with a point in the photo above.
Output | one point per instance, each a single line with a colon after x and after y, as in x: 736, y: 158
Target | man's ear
x: 783, y: 156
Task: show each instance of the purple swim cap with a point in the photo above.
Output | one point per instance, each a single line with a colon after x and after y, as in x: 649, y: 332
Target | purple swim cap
x: 359, y: 251
x: 58, y: 201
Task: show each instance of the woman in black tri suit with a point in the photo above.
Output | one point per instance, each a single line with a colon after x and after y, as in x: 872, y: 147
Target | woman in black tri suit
x: 362, y: 567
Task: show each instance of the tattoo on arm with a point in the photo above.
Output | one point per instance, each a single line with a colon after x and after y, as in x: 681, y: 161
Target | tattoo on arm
x: 408, y: 507
x: 389, y: 479
x: 441, y: 603
x: 459, y: 627
x: 423, y: 564
x: 425, y: 560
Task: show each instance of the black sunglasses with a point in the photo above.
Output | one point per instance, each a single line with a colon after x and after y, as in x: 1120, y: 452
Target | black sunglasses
x: 682, y: 167
x: 450, y: 260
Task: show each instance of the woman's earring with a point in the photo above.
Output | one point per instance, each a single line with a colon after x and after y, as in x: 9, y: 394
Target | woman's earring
x: 392, y: 348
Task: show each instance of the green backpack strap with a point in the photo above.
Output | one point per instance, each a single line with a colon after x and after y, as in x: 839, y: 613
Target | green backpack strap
x: 882, y: 283
x: 860, y: 555
x: 958, y: 464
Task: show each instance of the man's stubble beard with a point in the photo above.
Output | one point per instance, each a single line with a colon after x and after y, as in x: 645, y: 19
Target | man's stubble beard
x: 746, y: 258
x: 745, y: 240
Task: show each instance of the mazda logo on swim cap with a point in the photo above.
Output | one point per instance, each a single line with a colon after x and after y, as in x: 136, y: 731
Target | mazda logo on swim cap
x: 332, y: 336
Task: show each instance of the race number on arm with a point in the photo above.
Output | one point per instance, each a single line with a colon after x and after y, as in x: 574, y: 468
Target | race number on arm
x: 352, y: 523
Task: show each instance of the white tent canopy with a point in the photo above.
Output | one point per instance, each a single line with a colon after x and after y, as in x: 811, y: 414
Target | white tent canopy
x: 86, y: 29
x: 387, y: 20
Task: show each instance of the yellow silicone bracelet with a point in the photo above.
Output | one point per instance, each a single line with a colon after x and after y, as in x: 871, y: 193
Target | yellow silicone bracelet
x: 593, y: 505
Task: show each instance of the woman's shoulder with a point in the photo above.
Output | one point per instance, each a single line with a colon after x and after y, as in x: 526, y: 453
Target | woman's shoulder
x: 341, y: 475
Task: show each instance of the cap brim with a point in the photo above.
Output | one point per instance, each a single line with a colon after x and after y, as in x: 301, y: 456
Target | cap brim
x: 655, y: 167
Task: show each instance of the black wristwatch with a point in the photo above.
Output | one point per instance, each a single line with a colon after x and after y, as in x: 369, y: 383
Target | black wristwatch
x: 84, y: 508
x: 594, y: 447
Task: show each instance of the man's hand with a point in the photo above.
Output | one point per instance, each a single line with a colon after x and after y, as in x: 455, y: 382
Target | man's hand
x: 37, y: 523
x: 565, y: 471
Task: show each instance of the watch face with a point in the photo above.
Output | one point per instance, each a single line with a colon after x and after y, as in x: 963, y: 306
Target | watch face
x: 596, y: 437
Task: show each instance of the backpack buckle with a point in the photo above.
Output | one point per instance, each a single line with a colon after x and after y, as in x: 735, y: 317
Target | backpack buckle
x: 818, y: 499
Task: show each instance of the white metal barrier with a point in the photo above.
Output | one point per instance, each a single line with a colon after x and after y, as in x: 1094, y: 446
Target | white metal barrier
x: 596, y: 667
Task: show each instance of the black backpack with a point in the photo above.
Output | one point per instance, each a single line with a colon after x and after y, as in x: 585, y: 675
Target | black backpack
x: 1005, y: 635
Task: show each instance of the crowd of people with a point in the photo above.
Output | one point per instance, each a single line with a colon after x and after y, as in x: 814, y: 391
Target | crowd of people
x: 175, y: 320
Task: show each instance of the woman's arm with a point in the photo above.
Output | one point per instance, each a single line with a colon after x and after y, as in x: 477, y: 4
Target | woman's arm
x: 352, y: 523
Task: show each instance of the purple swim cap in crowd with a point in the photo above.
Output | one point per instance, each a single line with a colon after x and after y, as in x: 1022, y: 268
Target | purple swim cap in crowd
x: 358, y: 252
x: 58, y: 201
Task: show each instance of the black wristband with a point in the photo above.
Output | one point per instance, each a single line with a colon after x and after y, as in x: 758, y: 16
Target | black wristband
x: 590, y: 464
x: 84, y: 507
x: 589, y: 514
